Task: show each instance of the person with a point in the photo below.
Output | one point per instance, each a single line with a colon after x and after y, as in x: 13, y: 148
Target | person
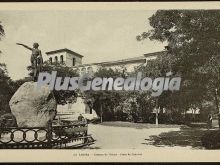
x: 209, y: 121
x: 84, y: 120
x: 80, y: 117
x: 36, y: 58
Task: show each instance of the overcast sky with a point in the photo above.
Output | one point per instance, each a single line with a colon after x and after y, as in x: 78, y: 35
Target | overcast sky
x: 97, y: 35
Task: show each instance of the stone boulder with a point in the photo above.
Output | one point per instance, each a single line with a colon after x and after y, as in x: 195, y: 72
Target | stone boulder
x: 33, y: 107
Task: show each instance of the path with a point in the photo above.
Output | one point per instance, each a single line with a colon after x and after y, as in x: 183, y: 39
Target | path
x: 114, y: 137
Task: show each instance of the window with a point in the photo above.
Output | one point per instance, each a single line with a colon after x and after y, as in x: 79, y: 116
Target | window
x: 56, y: 59
x: 61, y: 59
x: 74, y: 61
x: 50, y: 60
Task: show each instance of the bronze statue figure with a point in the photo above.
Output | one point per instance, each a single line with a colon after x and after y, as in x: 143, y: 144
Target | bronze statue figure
x: 36, y: 59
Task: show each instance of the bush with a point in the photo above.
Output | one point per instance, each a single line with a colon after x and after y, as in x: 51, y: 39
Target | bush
x: 8, y: 120
x: 211, y: 139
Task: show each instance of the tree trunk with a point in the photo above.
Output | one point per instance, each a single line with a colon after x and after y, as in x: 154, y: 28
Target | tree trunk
x: 194, y: 115
x: 157, y: 117
x: 101, y: 112
x: 217, y: 105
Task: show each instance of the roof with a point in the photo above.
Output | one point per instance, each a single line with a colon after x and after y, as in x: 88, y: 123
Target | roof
x: 155, y: 53
x: 127, y: 60
x: 63, y: 50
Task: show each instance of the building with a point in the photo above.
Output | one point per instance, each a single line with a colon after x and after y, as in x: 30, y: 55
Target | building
x: 64, y: 56
x: 74, y: 60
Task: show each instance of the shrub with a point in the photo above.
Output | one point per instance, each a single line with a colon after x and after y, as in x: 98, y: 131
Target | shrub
x: 8, y: 120
x: 211, y: 139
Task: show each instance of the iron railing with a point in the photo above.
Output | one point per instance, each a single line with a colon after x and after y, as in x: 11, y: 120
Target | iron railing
x: 53, y: 136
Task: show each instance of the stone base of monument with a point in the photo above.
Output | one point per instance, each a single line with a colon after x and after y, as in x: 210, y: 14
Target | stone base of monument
x: 33, y: 106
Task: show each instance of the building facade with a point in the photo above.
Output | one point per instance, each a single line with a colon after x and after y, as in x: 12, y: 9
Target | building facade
x: 64, y: 56
x: 74, y: 60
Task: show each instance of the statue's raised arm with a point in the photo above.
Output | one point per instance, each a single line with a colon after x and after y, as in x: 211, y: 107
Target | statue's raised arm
x: 24, y: 46
x: 36, y: 59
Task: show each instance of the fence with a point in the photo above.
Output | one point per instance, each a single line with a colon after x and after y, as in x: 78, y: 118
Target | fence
x: 64, y: 136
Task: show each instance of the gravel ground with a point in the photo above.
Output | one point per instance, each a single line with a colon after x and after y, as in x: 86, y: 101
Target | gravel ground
x: 134, y: 136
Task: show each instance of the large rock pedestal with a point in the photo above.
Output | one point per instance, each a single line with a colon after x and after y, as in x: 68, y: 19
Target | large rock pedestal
x: 33, y: 107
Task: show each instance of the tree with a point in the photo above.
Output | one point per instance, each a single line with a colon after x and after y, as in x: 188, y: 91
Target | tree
x: 105, y: 102
x: 193, y: 51
x: 5, y: 90
x: 2, y: 32
x: 62, y: 96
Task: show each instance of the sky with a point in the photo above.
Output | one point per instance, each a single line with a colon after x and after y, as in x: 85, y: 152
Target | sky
x: 97, y: 35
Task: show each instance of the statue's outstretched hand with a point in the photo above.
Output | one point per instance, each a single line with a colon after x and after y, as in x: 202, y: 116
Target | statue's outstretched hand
x: 27, y: 47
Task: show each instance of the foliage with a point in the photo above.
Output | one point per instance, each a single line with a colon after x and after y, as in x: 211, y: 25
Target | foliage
x: 210, y: 140
x: 8, y: 120
x: 193, y: 53
x: 2, y: 32
x: 105, y: 102
x: 62, y: 96
x: 5, y: 90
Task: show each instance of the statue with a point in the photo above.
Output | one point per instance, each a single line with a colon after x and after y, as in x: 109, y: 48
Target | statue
x: 36, y: 59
